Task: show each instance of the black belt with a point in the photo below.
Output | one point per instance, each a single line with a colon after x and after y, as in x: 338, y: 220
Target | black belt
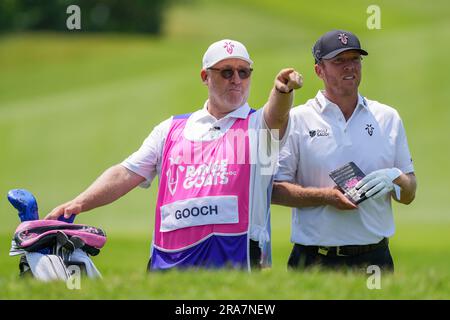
x: 344, y: 251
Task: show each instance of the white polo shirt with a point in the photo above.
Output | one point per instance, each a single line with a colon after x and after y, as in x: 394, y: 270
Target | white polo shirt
x: 202, y: 126
x: 320, y: 141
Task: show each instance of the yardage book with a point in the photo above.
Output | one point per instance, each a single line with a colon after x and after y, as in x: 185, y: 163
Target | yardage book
x: 346, y: 177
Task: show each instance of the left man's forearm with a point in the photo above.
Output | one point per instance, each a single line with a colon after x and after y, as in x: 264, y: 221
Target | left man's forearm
x: 110, y: 186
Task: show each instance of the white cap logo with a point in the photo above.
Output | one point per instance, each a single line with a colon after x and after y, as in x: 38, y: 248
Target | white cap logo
x: 229, y: 46
x: 225, y: 49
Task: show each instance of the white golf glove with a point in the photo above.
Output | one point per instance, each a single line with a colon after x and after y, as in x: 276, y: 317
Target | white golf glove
x: 378, y: 183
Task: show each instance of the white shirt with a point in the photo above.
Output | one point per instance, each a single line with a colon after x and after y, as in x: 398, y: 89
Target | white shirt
x: 202, y: 126
x: 320, y: 141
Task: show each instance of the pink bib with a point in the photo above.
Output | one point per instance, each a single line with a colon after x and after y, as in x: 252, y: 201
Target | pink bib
x: 203, y: 192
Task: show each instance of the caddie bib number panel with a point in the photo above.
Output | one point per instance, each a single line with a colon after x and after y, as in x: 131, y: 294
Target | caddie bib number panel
x: 199, y: 212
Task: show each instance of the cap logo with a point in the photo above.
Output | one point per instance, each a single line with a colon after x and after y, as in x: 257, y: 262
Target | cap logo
x: 343, y: 37
x: 229, y: 46
x: 317, y: 54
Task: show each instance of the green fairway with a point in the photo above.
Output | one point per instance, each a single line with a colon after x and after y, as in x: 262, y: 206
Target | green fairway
x: 73, y: 104
x: 420, y: 274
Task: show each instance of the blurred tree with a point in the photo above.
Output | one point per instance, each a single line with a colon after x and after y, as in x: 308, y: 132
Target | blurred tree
x: 96, y: 15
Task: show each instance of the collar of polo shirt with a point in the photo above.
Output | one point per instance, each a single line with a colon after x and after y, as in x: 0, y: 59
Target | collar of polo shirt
x: 240, y: 113
x: 322, y: 103
x: 199, y: 125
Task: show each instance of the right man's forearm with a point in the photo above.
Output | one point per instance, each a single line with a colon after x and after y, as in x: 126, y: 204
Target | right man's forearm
x: 408, y: 184
x: 295, y: 196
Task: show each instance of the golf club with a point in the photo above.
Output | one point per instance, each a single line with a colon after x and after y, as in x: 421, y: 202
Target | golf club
x: 77, y: 242
x: 61, y: 240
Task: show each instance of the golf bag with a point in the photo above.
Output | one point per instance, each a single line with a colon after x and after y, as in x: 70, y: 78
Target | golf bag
x: 52, y: 249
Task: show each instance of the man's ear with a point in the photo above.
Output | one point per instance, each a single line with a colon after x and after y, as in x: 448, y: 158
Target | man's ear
x: 319, y: 70
x: 204, y: 76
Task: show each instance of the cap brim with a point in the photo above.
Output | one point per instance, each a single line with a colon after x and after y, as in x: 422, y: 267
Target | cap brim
x: 233, y: 57
x: 334, y: 53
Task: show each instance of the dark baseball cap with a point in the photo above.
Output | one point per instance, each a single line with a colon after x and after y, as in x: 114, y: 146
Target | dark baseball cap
x: 334, y: 42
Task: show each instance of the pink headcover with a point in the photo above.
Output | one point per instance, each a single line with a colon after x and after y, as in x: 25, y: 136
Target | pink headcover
x: 30, y: 232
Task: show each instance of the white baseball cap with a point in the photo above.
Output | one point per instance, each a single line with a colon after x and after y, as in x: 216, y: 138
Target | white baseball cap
x: 225, y: 49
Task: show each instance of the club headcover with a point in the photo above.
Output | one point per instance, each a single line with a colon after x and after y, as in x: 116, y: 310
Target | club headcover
x: 35, y: 235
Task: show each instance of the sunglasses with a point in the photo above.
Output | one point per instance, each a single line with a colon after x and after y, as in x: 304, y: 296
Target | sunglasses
x: 228, y: 73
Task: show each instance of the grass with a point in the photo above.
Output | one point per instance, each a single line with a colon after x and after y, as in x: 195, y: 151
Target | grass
x: 421, y: 273
x: 73, y: 104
